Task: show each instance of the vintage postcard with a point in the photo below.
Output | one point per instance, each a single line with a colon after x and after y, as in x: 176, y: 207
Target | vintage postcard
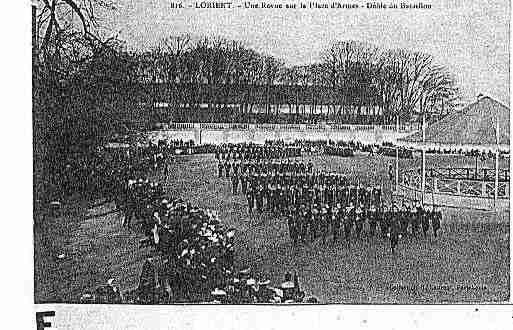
x: 302, y: 153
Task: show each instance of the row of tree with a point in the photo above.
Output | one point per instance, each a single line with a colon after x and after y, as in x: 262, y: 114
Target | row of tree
x: 353, y: 82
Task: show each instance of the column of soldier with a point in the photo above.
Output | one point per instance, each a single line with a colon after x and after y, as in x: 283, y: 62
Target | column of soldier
x: 322, y: 205
x: 248, y: 151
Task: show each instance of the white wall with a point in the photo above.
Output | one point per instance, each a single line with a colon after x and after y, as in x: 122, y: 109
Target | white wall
x: 219, y: 136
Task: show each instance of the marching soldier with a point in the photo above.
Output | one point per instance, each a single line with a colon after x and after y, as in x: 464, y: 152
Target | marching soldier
x: 243, y: 182
x: 227, y: 167
x: 309, y: 167
x: 292, y: 223
x: 271, y: 197
x: 259, y: 195
x: 235, y: 183
x: 359, y: 220
x: 417, y: 219
x: 251, y: 199
x: 236, y: 165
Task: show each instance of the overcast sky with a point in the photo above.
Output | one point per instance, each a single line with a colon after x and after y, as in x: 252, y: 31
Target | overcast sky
x: 471, y: 38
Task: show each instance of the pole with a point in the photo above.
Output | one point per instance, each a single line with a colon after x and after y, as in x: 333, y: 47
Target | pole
x: 397, y: 154
x: 423, y: 157
x: 496, y: 191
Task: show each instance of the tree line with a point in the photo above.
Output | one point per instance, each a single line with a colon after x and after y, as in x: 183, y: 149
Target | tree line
x: 353, y: 82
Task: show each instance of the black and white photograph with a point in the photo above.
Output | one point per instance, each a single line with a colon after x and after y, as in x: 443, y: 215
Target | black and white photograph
x: 270, y: 152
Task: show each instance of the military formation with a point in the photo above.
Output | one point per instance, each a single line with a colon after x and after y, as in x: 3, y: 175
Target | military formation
x: 336, y: 150
x: 249, y: 151
x: 334, y: 220
x: 325, y: 205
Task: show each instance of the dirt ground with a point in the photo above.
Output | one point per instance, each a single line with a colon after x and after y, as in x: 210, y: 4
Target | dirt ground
x: 468, y: 262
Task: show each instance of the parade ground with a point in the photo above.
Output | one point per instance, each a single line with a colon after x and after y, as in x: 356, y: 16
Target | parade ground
x: 468, y: 262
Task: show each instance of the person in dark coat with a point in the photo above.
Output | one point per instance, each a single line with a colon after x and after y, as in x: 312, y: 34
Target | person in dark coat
x: 250, y: 195
x: 359, y: 220
x: 227, y: 168
x: 394, y: 235
x: 220, y: 167
x: 436, y: 219
x: 426, y: 214
x: 235, y: 183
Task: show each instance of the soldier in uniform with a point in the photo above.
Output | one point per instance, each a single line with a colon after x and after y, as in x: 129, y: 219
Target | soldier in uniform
x: 436, y: 219
x: 251, y: 199
x: 359, y: 220
x: 243, y: 182
x: 309, y: 166
x: 394, y: 234
x: 227, y: 167
x: 236, y: 165
x: 235, y: 183
x: 292, y: 224
x: 280, y: 198
x: 377, y: 196
x: 259, y: 195
x: 343, y: 196
x: 386, y: 219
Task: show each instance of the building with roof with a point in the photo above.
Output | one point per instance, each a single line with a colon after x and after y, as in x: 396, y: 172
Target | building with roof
x: 480, y: 127
x: 472, y: 128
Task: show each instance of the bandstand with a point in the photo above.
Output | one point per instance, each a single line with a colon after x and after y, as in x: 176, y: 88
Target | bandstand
x: 479, y: 128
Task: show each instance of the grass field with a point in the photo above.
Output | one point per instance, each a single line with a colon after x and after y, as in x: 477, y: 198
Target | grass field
x: 468, y: 262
